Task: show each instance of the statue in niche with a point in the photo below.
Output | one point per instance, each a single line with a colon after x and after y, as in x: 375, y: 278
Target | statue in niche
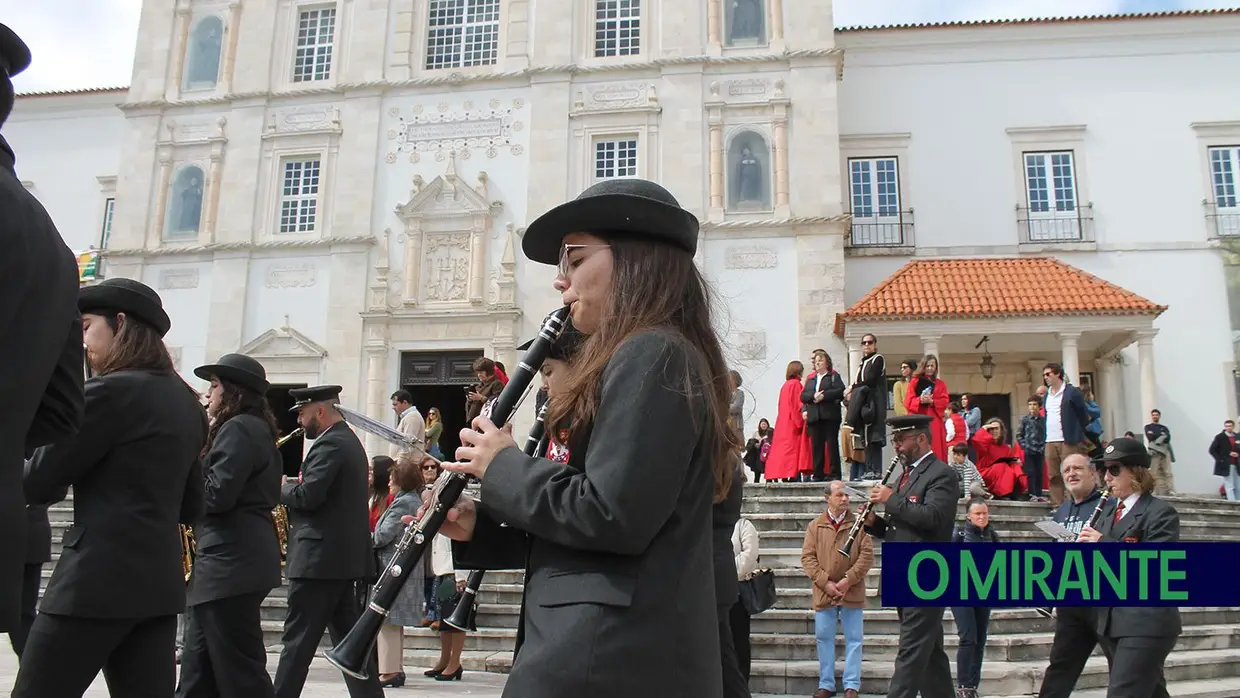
x: 746, y: 20
x: 204, y: 53
x: 749, y: 178
x: 188, y: 201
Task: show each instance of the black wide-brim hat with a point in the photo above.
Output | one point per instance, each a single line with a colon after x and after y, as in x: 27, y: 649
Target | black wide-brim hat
x: 633, y: 207
x: 1125, y: 451
x: 239, y: 369
x: 133, y: 298
x: 14, y: 54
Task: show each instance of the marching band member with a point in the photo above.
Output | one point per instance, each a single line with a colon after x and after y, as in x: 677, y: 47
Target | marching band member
x: 1140, y: 638
x: 617, y: 544
x: 237, y: 554
x: 113, y: 599
x: 922, y: 508
x: 330, y: 553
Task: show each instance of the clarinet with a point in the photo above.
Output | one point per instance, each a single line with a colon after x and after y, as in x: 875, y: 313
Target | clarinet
x: 846, y: 550
x: 465, y: 615
x: 352, y: 654
x: 1093, y: 523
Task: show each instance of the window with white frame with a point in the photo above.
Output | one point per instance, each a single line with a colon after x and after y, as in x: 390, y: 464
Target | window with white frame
x: 1051, y: 196
x: 462, y: 33
x: 299, y: 195
x: 109, y: 206
x: 874, y: 189
x: 1224, y: 164
x: 615, y: 158
x: 316, y: 31
x: 617, y: 28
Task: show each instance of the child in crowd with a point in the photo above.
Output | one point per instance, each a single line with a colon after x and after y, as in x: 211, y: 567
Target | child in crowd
x: 957, y: 430
x: 971, y: 483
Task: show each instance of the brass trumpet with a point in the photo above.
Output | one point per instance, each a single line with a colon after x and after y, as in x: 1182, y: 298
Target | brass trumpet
x: 279, y: 515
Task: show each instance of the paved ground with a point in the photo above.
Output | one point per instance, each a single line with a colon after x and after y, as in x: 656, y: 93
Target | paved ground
x: 324, y: 682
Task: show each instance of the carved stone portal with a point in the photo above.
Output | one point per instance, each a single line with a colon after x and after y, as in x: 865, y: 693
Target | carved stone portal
x: 447, y: 266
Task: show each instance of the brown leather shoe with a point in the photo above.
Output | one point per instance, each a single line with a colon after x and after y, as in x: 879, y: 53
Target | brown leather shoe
x: 823, y: 693
x: 851, y: 693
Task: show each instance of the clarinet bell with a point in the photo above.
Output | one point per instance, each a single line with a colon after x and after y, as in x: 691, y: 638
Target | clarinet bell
x: 464, y: 617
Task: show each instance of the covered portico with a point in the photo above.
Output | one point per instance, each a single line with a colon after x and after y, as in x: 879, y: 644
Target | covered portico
x: 994, y: 323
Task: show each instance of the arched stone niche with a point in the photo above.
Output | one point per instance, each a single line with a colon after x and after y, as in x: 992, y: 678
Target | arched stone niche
x: 744, y: 22
x: 205, y: 47
x: 748, y: 171
x: 185, y: 204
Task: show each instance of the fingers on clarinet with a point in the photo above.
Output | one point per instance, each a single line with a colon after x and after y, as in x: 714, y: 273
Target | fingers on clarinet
x: 407, y: 519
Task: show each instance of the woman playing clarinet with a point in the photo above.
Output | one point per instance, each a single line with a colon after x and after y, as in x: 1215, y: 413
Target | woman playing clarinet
x: 619, y: 596
x: 1140, y: 638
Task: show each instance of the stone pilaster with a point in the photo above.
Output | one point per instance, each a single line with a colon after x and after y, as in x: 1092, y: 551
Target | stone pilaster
x: 230, y: 51
x: 230, y: 275
x: 820, y: 288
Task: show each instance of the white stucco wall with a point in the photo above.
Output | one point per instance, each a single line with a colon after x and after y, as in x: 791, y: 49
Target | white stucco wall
x: 1137, y: 93
x: 63, y: 143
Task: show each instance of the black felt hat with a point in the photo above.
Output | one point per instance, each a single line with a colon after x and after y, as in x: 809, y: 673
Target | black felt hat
x: 634, y: 207
x: 14, y: 54
x: 133, y: 298
x: 1126, y: 451
x: 909, y: 422
x: 565, y: 348
x: 239, y: 369
x: 318, y: 393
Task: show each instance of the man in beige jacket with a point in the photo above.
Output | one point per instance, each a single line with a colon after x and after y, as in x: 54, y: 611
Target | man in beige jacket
x: 838, y: 589
x: 410, y: 424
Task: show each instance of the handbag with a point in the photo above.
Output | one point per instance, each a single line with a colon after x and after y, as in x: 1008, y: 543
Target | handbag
x: 758, y: 591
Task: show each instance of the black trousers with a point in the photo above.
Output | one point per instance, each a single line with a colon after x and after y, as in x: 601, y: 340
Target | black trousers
x: 1076, y: 636
x: 738, y: 619
x: 921, y: 661
x: 972, y: 622
x: 31, y: 579
x: 824, y: 442
x: 1137, y: 666
x: 224, y: 653
x: 64, y: 654
x: 734, y: 683
x: 315, y: 605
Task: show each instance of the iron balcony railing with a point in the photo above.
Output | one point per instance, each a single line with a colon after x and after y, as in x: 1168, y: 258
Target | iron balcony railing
x: 1036, y: 227
x: 1224, y: 222
x: 895, y: 230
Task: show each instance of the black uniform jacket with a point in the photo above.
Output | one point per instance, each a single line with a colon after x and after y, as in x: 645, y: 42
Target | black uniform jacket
x: 619, y: 592
x: 723, y: 522
x: 41, y: 369
x: 237, y: 548
x: 924, y: 509
x: 829, y: 409
x: 38, y: 534
x: 328, y: 513
x: 136, y: 473
x: 1152, y: 520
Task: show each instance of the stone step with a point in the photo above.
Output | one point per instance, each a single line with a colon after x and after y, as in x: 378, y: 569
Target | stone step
x: 757, y: 503
x: 1191, y: 528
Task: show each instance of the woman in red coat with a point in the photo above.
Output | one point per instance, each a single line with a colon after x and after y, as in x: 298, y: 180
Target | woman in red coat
x: 927, y: 394
x: 784, y: 460
x: 998, y: 462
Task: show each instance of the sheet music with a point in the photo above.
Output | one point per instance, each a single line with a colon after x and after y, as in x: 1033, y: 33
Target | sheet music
x: 1055, y: 530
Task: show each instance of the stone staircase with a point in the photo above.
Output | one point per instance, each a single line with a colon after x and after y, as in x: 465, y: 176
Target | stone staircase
x: 1205, y: 663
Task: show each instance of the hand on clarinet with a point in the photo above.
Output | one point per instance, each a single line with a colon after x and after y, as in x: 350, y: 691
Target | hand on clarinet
x: 458, y: 524
x: 1089, y: 535
x: 479, y: 446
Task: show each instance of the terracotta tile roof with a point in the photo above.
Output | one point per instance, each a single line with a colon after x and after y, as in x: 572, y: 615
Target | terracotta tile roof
x: 1044, y: 20
x: 995, y: 287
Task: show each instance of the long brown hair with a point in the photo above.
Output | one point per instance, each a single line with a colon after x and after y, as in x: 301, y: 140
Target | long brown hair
x: 237, y: 401
x: 135, y: 347
x: 654, y: 286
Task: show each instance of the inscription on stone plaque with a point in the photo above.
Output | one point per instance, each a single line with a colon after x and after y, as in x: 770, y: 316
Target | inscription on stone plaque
x: 747, y: 88
x: 751, y: 258
x: 460, y: 130
x: 752, y: 345
x: 291, y: 276
x: 300, y: 119
x: 178, y: 279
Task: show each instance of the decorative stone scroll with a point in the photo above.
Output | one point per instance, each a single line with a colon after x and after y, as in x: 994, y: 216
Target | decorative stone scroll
x: 303, y: 120
x: 291, y: 276
x: 170, y: 279
x: 751, y: 258
x: 462, y: 131
x: 752, y: 345
x: 622, y: 96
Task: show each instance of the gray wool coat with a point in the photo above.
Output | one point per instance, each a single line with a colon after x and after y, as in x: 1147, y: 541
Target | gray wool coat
x: 407, y: 609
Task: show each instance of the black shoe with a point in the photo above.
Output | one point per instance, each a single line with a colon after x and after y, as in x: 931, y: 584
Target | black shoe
x: 454, y: 676
x: 432, y: 672
x: 395, y: 682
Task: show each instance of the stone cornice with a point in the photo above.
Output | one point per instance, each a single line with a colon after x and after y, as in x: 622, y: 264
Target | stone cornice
x: 774, y: 222
x: 454, y: 79
x: 241, y: 246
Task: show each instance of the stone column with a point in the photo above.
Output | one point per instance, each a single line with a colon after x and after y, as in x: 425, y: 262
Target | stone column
x: 854, y: 361
x: 376, y: 378
x: 156, y: 235
x: 210, y: 200
x: 182, y: 46
x: 1071, y: 357
x: 714, y: 24
x: 1145, y: 355
x: 413, y: 265
x: 1108, y: 394
x: 777, y: 20
x: 716, y: 167
x: 477, y: 265
x: 781, y: 164
x: 230, y: 52
x: 930, y: 345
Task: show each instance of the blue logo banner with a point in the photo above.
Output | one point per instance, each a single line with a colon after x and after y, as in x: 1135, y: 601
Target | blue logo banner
x: 1013, y: 575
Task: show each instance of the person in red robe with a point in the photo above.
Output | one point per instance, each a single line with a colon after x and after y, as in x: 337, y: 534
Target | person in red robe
x: 927, y: 394
x: 783, y: 462
x: 998, y: 462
